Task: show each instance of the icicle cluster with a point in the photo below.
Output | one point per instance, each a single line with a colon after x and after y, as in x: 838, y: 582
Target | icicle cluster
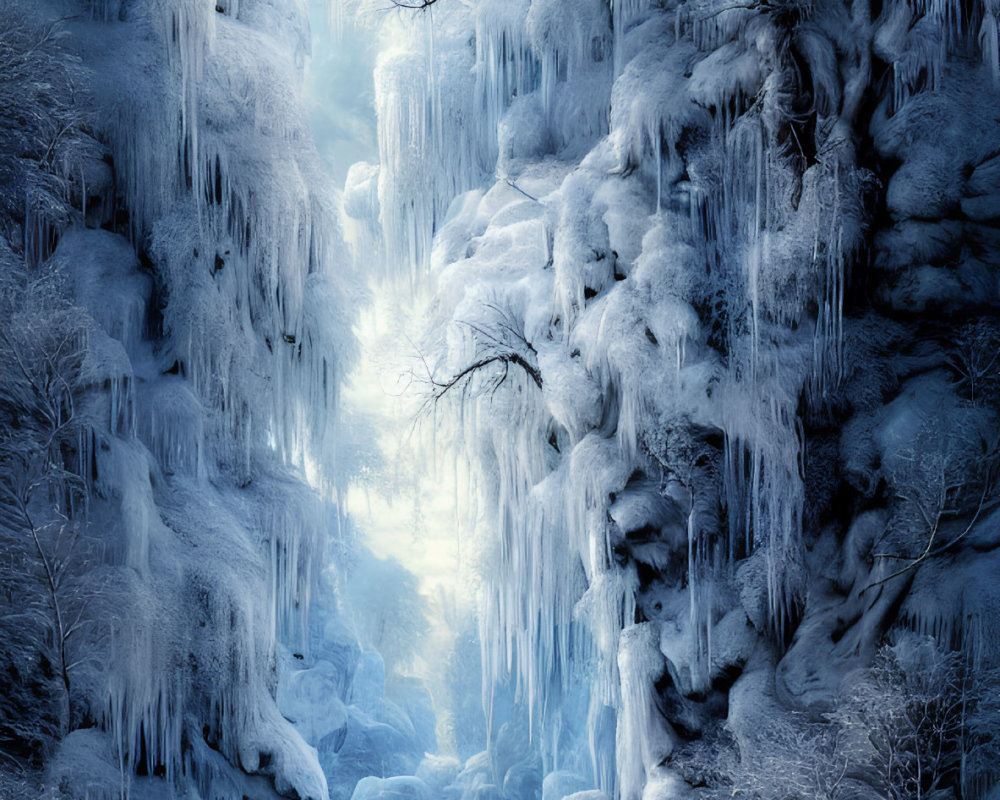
x: 208, y: 275
x: 655, y: 330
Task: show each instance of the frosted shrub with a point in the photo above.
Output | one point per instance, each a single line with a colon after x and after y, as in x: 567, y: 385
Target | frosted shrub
x: 43, y: 424
x: 917, y: 724
x: 42, y: 121
x: 920, y: 724
x: 797, y: 758
x: 976, y: 360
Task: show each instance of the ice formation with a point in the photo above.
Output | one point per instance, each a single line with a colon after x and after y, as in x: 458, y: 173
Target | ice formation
x: 706, y: 334
x: 177, y: 312
x: 712, y: 320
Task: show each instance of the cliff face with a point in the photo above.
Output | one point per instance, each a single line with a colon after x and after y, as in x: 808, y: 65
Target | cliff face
x: 716, y: 307
x: 175, y: 328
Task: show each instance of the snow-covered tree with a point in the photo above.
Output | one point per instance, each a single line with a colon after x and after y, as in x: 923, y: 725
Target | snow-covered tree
x: 43, y: 424
x: 43, y: 120
x: 921, y: 723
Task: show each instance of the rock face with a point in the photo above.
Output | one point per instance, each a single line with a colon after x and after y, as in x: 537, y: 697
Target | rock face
x: 724, y: 336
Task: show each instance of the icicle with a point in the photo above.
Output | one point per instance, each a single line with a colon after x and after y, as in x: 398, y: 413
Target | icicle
x: 624, y: 14
x: 700, y: 593
x: 105, y: 10
x: 644, y: 739
x: 335, y: 19
x: 989, y: 38
x: 425, y: 156
x: 295, y: 526
x: 39, y: 235
x: 656, y: 139
x: 768, y: 484
x: 505, y: 68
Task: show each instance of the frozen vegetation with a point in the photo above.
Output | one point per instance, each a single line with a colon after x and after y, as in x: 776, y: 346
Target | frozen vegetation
x: 709, y: 294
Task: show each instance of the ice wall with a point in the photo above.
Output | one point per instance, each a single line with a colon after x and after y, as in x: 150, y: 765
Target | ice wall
x: 711, y: 335
x: 177, y: 318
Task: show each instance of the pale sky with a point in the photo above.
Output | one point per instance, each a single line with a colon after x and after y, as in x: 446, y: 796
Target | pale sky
x: 407, y: 509
x: 412, y: 508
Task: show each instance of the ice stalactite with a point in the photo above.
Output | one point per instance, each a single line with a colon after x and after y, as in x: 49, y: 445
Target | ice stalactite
x: 731, y: 178
x: 769, y: 492
x: 624, y: 14
x: 147, y: 708
x: 188, y: 28
x: 573, y: 80
x: 422, y: 109
x: 917, y: 37
x: 173, y: 428
x: 144, y: 706
x: 39, y: 234
x: 506, y: 66
x: 645, y: 740
x: 424, y: 162
x: 608, y: 601
x: 527, y: 635
x: 408, y: 221
x: 260, y: 265
x: 989, y: 37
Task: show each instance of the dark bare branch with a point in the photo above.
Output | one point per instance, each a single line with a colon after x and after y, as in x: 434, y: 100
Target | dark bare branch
x: 506, y: 359
x: 500, y: 344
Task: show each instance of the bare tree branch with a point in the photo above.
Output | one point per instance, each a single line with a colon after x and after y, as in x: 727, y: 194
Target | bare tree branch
x: 929, y: 550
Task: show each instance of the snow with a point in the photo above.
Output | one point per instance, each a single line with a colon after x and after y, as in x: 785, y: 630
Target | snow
x: 107, y: 282
x: 561, y: 784
x: 409, y: 788
x: 308, y: 699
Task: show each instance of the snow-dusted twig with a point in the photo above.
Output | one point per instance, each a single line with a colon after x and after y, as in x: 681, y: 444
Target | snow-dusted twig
x: 501, y: 344
x: 929, y: 551
x: 514, y: 186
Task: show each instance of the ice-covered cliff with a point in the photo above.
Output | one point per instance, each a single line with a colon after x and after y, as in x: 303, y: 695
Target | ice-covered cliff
x: 715, y: 311
x: 713, y: 314
x: 175, y: 328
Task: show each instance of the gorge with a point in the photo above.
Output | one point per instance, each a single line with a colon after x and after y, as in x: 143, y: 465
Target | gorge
x: 625, y: 427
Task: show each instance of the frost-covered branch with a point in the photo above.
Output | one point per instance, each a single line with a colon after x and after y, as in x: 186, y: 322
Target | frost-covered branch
x: 42, y: 348
x: 44, y: 124
x: 503, y: 359
x: 935, y: 477
x: 499, y: 343
x: 975, y: 358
